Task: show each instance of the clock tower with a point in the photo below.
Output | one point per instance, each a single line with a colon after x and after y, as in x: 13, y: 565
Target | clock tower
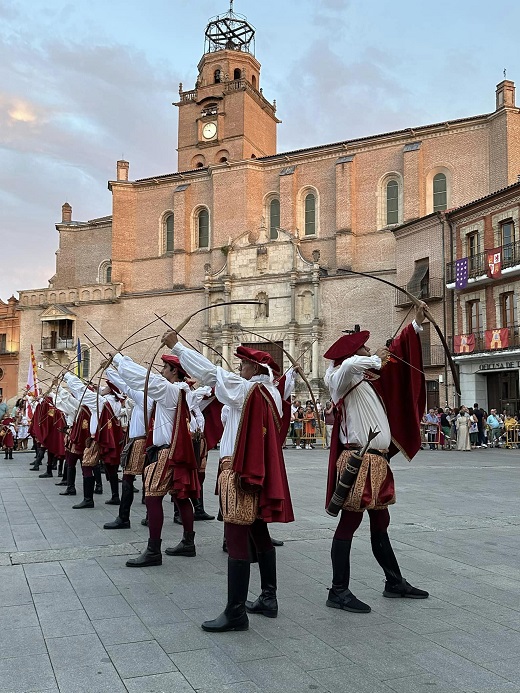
x: 226, y: 117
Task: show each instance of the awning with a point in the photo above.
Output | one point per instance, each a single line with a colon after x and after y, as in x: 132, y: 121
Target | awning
x: 420, y: 272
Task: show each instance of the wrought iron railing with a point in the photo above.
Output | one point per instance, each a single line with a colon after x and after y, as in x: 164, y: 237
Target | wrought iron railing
x: 55, y: 343
x: 433, y: 355
x: 431, y: 290
x: 513, y: 340
x: 510, y: 256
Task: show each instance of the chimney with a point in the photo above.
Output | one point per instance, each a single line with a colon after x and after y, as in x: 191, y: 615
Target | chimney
x: 122, y: 170
x: 505, y: 94
x: 66, y: 213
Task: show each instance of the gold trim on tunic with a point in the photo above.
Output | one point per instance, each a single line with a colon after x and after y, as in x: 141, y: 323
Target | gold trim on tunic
x: 137, y: 457
x: 158, y: 479
x: 375, y: 469
x: 238, y: 507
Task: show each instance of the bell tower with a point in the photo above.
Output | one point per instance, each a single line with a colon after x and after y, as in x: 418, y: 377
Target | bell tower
x: 226, y: 117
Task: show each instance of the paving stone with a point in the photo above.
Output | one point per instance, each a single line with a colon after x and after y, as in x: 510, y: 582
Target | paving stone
x: 26, y: 674
x: 140, y: 659
x: 76, y: 652
x: 173, y: 682
x: 100, y: 677
x: 22, y: 616
x: 16, y: 640
x: 209, y: 667
x: 55, y: 601
x: 34, y: 570
x: 60, y: 624
x: 250, y: 645
x: 181, y: 637
x: 117, y: 631
x: 113, y: 606
x: 280, y: 675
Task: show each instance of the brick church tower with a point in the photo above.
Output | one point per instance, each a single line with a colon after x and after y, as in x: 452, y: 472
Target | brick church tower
x: 226, y: 117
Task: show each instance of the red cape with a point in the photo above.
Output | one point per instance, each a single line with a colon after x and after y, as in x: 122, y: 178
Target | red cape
x: 181, y: 455
x: 213, y: 427
x: 109, y: 436
x: 80, y: 431
x: 54, y: 439
x: 397, y: 384
x: 258, y: 458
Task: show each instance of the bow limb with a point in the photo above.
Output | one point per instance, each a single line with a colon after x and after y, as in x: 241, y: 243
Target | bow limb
x: 215, y: 351
x: 145, y: 390
x: 297, y: 366
x: 183, y: 324
x: 419, y: 304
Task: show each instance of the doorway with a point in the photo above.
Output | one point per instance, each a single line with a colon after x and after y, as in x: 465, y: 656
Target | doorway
x: 503, y: 392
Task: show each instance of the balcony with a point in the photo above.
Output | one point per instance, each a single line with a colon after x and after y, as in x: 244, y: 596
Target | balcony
x: 55, y: 343
x: 433, y: 355
x: 477, y: 264
x: 480, y: 342
x: 430, y: 290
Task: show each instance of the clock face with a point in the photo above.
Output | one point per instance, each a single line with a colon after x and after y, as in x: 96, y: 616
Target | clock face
x: 209, y: 130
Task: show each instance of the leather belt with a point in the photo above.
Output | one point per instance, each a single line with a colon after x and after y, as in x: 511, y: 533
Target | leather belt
x: 370, y: 451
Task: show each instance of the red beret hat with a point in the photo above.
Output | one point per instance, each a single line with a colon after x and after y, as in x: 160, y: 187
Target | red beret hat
x: 115, y: 390
x: 346, y: 346
x: 262, y: 358
x: 174, y: 361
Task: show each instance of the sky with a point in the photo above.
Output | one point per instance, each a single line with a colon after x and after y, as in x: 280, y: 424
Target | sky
x: 85, y: 83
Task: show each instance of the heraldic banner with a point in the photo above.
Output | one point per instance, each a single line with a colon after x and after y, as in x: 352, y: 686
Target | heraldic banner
x: 464, y: 343
x: 497, y: 339
x: 494, y: 262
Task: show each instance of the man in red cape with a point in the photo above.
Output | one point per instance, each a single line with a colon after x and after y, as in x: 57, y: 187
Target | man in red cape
x: 366, y: 397
x: 253, y: 484
x: 172, y: 465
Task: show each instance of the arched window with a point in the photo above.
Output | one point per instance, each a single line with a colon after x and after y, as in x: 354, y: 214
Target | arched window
x: 217, y: 75
x: 105, y: 272
x: 274, y: 218
x: 168, y: 233
x: 203, y: 228
x: 440, y: 192
x: 237, y: 73
x: 392, y: 202
x: 253, y: 81
x: 310, y: 214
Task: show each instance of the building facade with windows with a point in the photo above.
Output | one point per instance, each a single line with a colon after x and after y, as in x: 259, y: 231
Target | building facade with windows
x: 9, y: 348
x: 239, y: 220
x: 466, y: 263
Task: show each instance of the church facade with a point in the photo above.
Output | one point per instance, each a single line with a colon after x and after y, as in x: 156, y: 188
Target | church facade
x: 240, y: 221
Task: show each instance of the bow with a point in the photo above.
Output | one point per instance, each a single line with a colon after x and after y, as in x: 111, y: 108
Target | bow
x: 180, y: 327
x: 297, y: 366
x: 427, y: 313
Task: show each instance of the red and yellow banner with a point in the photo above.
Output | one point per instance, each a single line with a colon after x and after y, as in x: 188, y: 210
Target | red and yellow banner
x: 464, y: 343
x: 497, y: 339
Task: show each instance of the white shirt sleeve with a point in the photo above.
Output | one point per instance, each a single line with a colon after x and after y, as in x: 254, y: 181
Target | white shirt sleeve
x: 341, y: 378
x: 134, y: 375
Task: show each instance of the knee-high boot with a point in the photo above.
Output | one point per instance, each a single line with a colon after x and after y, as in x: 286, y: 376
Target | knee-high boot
x: 266, y: 603
x: 122, y: 521
x: 71, y: 481
x: 88, y: 491
x: 340, y: 596
x: 50, y: 466
x: 38, y: 459
x: 151, y: 556
x: 98, y: 488
x: 198, y: 506
x: 395, y: 585
x: 234, y: 616
x: 62, y: 470
x: 114, y: 488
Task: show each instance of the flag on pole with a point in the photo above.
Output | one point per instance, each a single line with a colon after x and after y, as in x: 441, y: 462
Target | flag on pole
x: 494, y: 263
x: 32, y: 376
x: 78, y: 359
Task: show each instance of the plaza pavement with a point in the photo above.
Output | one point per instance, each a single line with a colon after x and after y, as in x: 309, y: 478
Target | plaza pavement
x: 73, y: 619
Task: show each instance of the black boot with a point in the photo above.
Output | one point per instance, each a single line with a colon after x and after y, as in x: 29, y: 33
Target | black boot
x: 395, y: 585
x: 98, y: 489
x: 266, y: 603
x: 340, y: 597
x: 71, y: 480
x: 10, y: 453
x: 186, y: 546
x: 144, y: 521
x: 122, y: 521
x: 63, y: 472
x: 38, y: 459
x: 114, y: 487
x: 234, y: 616
x: 151, y: 556
x: 48, y: 473
x: 88, y: 490
x: 6, y: 456
x: 198, y: 506
x: 61, y: 465
x: 176, y: 515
